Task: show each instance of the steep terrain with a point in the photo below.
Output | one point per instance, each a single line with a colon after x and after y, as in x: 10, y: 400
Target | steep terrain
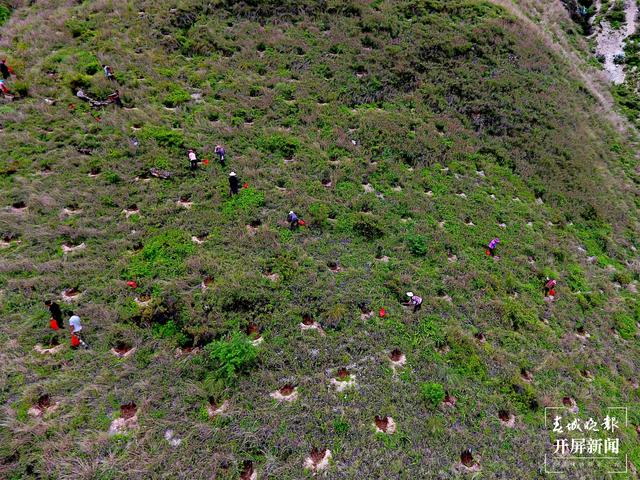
x: 407, y: 134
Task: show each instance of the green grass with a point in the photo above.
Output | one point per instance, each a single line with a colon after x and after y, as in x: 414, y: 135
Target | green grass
x: 316, y: 104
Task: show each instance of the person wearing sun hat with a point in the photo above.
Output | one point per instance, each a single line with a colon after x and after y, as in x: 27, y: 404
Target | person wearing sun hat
x: 415, y: 301
x: 234, y: 184
x: 293, y: 220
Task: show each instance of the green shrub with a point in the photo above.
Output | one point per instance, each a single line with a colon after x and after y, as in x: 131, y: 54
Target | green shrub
x: 21, y: 88
x: 231, y: 358
x: 417, y: 245
x: 319, y: 213
x: 247, y: 200
x: 367, y: 226
x: 162, y: 256
x: 5, y: 13
x: 625, y: 325
x: 575, y: 279
x: 164, y: 136
x: 432, y: 393
x: 78, y: 81
x: 112, y: 177
x: 517, y: 315
x: 82, y: 29
x: 170, y: 330
x: 175, y: 96
x: 278, y: 144
x: 87, y: 63
x: 341, y: 426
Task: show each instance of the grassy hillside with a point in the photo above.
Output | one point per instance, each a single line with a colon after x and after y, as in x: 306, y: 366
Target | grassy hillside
x: 407, y: 134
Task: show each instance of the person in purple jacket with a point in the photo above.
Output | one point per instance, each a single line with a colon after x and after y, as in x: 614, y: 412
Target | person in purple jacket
x: 414, y: 301
x: 293, y: 220
x: 219, y: 150
x: 492, y: 246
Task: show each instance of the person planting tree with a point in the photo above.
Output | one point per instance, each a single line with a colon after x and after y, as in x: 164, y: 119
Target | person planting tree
x: 3, y: 88
x: 293, y: 220
x: 219, y: 151
x: 108, y: 72
x: 5, y: 70
x: 193, y: 160
x: 549, y: 288
x: 414, y: 301
x: 56, y: 314
x: 75, y: 327
x: 234, y: 184
x: 493, y: 244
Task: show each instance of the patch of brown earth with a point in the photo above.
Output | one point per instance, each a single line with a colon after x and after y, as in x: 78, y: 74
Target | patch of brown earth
x: 526, y: 375
x: 468, y: 462
x: 449, y: 401
x: 506, y: 418
x: 570, y: 403
x: 42, y: 406
x: 214, y: 409
x: 287, y: 390
x: 333, y: 266
x: 382, y: 423
x: 247, y: 472
x: 318, y: 459
x: 395, y: 355
x: 128, y: 410
x: 122, y: 350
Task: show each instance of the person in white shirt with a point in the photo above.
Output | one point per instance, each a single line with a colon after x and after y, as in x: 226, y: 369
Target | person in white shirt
x: 75, y: 326
x: 193, y: 160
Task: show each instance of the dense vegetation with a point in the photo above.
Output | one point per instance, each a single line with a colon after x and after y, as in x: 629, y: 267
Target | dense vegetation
x: 406, y: 134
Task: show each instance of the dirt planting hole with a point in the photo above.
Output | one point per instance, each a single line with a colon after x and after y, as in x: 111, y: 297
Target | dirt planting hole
x: 253, y: 331
x: 395, y: 355
x: 19, y: 205
x: 121, y: 348
x: 586, y: 374
x: 71, y: 292
x: 128, y: 410
x: 343, y: 373
x: 44, y: 402
x: 333, y: 266
x: 466, y: 457
x: 570, y: 403
x: 526, y: 375
x: 317, y: 455
x: 480, y: 337
x: 382, y: 423
x: 255, y: 223
x: 307, y: 319
x: 247, y: 472
x: 581, y: 332
x: 449, y: 400
x: 287, y: 390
